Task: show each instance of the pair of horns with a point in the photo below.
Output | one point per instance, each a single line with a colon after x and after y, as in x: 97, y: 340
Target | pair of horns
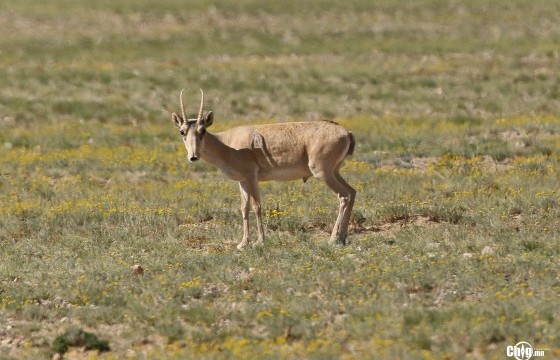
x: 183, y: 106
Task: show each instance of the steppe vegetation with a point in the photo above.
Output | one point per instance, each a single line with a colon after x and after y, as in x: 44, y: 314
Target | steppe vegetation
x: 454, y: 246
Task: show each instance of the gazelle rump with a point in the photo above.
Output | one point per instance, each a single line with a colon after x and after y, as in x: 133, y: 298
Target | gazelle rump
x: 283, y: 152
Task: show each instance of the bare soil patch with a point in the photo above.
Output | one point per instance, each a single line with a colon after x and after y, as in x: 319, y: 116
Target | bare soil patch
x: 397, y: 223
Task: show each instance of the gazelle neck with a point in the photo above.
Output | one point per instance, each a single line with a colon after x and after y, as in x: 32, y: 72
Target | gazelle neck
x: 215, y: 152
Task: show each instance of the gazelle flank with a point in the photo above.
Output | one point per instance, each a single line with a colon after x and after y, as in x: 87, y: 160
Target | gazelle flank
x: 283, y: 152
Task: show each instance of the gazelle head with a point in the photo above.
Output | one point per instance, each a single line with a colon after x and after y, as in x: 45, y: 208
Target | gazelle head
x: 193, y: 130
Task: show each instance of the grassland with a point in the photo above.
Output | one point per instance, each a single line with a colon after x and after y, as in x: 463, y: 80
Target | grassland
x: 454, y: 240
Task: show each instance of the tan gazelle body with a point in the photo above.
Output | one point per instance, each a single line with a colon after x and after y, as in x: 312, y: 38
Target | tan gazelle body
x: 283, y: 152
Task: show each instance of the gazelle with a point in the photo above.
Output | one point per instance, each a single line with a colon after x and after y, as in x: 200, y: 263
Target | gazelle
x: 283, y: 152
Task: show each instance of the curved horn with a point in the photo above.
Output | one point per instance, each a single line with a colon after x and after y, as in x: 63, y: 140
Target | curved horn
x: 201, y: 105
x: 183, y: 106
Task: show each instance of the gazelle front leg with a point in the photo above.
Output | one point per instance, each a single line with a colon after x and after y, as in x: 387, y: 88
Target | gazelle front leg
x: 250, y: 191
x: 256, y: 202
x: 245, y: 215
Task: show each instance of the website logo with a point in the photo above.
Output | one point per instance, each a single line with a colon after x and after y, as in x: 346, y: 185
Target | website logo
x: 523, y: 351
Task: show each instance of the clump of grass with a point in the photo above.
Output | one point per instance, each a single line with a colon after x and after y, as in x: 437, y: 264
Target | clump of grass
x: 449, y: 213
x: 396, y: 213
x: 76, y: 337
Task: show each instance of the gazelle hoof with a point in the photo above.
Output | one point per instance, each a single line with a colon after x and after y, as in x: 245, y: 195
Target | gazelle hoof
x: 241, y: 246
x: 338, y: 240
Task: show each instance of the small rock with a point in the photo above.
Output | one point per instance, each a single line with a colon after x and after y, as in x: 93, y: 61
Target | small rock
x: 488, y: 250
x: 243, y: 275
x: 340, y: 318
x: 45, y: 302
x: 468, y: 255
x: 138, y: 269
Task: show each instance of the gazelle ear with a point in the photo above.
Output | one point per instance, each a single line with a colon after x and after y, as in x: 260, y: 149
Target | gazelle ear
x: 209, y: 119
x: 177, y: 120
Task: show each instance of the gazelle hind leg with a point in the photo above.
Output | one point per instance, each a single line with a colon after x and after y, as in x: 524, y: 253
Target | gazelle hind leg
x: 346, y: 195
x: 348, y: 206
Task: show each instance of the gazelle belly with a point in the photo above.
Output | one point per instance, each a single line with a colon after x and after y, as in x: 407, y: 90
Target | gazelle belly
x: 284, y: 173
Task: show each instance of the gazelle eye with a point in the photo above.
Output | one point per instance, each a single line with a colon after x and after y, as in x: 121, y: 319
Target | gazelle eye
x: 182, y: 132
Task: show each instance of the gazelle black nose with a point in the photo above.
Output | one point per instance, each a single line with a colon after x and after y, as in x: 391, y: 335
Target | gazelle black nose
x: 194, y: 158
